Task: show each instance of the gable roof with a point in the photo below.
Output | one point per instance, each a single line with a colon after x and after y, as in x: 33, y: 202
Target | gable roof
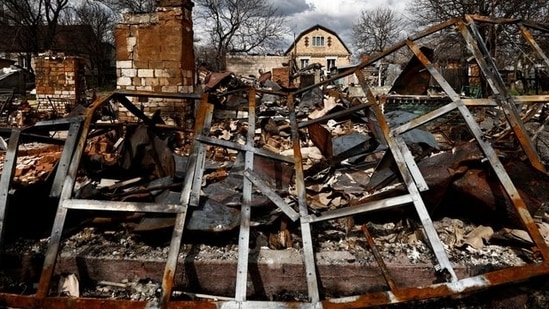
x: 315, y: 27
x: 71, y: 39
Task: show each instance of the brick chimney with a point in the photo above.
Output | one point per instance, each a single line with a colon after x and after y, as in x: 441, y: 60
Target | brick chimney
x: 154, y: 52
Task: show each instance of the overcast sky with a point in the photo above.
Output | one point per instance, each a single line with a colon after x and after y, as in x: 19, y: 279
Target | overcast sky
x: 337, y: 15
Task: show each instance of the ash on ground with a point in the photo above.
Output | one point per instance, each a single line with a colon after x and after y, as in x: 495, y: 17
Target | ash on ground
x: 401, y: 242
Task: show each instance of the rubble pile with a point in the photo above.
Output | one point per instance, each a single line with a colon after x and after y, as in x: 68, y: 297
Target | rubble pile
x: 342, y: 159
x: 314, y: 171
x: 34, y: 163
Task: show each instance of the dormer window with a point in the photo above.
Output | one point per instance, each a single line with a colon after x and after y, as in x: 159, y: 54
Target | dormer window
x: 318, y: 41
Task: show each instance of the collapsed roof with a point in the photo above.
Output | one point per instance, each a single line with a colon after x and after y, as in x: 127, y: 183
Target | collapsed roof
x: 284, y: 181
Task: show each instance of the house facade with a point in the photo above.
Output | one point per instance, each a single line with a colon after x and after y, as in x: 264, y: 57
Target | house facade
x: 316, y: 45
x: 321, y: 45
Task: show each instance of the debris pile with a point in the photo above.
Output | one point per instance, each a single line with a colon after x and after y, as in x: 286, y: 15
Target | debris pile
x: 34, y: 163
x: 310, y: 170
x: 345, y: 164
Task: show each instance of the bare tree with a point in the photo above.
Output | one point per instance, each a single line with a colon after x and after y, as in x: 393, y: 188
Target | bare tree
x: 239, y: 26
x: 37, y: 23
x: 132, y: 6
x: 53, y: 11
x: 30, y: 17
x: 426, y: 12
x: 506, y: 47
x: 102, y: 21
x: 376, y: 30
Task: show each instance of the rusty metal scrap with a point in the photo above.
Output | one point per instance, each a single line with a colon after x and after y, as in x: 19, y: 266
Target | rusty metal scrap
x: 414, y: 79
x: 321, y: 155
x: 486, y: 193
x: 6, y: 107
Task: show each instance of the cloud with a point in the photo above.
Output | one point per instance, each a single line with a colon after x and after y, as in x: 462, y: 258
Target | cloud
x: 337, y: 15
x: 291, y: 7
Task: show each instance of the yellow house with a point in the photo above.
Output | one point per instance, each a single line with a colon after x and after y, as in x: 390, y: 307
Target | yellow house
x: 319, y: 44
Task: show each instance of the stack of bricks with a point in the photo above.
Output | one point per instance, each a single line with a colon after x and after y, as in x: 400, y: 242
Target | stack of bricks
x: 154, y: 52
x: 282, y: 76
x: 58, y: 78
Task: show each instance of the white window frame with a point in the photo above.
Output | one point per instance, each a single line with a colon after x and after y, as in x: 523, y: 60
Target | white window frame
x: 328, y: 69
x: 303, y: 59
x: 318, y: 41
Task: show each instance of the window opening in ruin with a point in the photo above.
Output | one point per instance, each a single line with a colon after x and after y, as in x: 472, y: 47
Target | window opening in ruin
x: 330, y: 64
x: 303, y: 62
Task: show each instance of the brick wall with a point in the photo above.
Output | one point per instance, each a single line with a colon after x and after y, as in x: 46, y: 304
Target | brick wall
x: 60, y: 78
x: 245, y: 65
x: 281, y: 76
x: 154, y: 52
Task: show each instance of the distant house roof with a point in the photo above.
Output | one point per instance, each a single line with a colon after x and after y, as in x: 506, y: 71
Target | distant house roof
x: 315, y: 27
x: 6, y: 62
x: 70, y: 39
x: 5, y: 72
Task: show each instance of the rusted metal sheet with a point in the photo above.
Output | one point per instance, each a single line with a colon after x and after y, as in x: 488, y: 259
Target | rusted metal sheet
x: 30, y: 302
x: 215, y: 80
x: 414, y: 79
x: 379, y: 258
x: 10, y: 162
x: 477, y: 283
x: 477, y: 186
